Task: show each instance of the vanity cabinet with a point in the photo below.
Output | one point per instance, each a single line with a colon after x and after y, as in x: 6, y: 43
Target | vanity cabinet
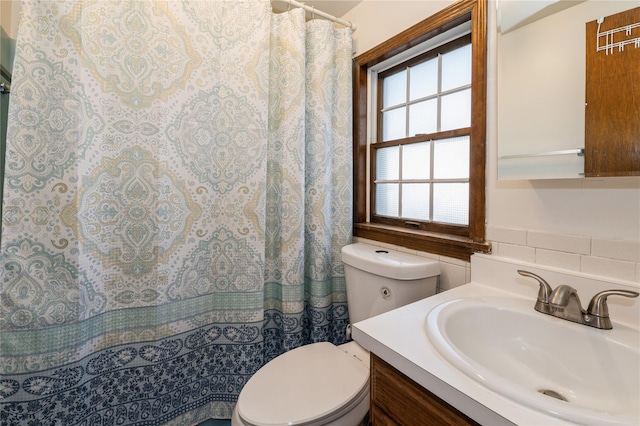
x: 398, y: 400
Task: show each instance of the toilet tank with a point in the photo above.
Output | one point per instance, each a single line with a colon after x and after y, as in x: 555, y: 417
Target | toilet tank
x: 379, y: 280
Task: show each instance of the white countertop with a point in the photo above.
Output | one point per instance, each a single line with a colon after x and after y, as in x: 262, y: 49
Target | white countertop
x: 399, y: 337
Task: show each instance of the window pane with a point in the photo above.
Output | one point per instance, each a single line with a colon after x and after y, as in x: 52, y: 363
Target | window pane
x: 423, y: 79
x: 387, y: 199
x: 423, y: 117
x: 394, y: 89
x: 456, y: 68
x: 456, y: 110
x: 416, y: 162
x: 415, y: 201
x: 388, y: 163
x: 451, y: 203
x: 451, y: 158
x: 394, y: 124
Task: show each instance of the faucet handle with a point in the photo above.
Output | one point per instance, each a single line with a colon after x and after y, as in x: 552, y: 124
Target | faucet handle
x: 545, y: 289
x: 544, y: 292
x: 598, y: 306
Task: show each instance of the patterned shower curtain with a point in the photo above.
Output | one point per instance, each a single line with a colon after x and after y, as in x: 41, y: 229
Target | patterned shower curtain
x: 177, y: 191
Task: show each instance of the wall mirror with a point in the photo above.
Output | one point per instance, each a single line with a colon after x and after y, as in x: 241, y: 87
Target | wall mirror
x: 541, y: 85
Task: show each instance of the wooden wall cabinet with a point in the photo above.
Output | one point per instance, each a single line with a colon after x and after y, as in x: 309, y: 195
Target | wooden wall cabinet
x: 612, y: 111
x: 398, y: 400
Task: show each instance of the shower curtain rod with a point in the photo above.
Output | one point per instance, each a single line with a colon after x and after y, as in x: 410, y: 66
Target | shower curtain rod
x: 314, y: 11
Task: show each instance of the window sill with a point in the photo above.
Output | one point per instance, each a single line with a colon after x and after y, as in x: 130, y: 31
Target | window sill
x: 440, y: 244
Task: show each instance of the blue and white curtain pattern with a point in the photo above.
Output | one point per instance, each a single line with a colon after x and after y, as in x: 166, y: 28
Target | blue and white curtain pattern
x: 177, y: 192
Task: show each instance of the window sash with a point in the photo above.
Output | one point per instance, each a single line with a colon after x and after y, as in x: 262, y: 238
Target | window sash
x: 435, y: 53
x: 400, y: 217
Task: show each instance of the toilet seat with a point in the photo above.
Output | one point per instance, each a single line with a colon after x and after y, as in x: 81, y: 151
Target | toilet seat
x: 280, y: 392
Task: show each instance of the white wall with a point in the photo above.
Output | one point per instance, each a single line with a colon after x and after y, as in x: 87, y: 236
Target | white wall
x: 9, y: 13
x: 379, y: 20
x: 592, y: 225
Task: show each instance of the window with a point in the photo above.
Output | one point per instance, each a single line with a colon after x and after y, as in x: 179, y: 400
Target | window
x: 420, y: 155
x: 419, y: 128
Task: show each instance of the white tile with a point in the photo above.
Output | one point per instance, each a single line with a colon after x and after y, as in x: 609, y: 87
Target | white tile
x: 616, y: 249
x: 558, y: 259
x: 560, y: 242
x: 609, y: 268
x: 428, y: 255
x: 512, y: 251
x: 507, y: 235
x: 452, y: 276
x: 453, y: 261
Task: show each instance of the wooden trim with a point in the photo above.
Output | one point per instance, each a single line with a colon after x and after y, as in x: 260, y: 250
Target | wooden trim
x: 433, y: 227
x: 465, y: 131
x: 359, y: 143
x: 448, y: 245
x: 441, y: 22
x: 440, y: 243
x: 477, y: 209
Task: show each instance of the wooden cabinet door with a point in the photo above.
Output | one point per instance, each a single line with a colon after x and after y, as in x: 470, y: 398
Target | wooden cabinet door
x: 612, y: 120
x: 398, y: 400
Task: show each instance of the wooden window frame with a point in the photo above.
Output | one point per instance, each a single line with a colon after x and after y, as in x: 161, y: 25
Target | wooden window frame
x: 448, y: 240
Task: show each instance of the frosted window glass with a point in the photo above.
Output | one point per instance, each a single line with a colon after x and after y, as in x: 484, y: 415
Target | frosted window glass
x: 451, y: 203
x: 416, y: 161
x: 388, y: 163
x: 423, y: 117
x: 394, y: 89
x: 456, y: 110
x: 451, y: 158
x: 387, y: 199
x: 456, y: 68
x: 423, y: 79
x: 415, y: 201
x: 394, y: 124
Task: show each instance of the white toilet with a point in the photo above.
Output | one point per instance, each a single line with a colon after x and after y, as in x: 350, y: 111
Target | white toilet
x: 324, y: 384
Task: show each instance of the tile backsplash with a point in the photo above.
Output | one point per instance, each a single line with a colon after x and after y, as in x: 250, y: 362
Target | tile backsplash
x: 454, y: 272
x: 608, y: 258
x: 618, y: 259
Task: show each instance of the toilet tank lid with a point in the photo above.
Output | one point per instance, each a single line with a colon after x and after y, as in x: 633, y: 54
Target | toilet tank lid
x: 388, y: 263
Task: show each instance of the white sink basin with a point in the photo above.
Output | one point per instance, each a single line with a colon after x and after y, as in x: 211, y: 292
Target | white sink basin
x: 508, y: 347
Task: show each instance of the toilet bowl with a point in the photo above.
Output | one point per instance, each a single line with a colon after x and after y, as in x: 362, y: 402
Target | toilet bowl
x: 322, y: 384
x: 316, y: 384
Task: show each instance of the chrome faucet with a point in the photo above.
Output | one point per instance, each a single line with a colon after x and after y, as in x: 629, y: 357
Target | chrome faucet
x: 563, y: 302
